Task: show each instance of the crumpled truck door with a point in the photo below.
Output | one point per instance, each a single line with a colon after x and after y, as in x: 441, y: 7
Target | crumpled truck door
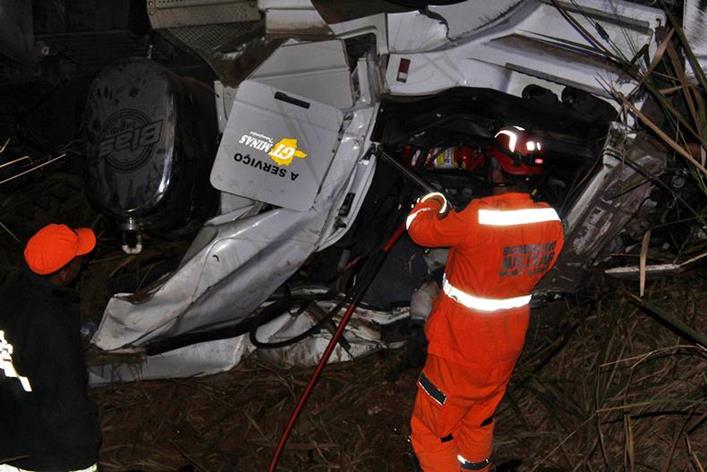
x: 282, y: 148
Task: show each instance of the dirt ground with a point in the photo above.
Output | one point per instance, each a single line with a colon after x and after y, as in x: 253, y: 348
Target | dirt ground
x: 354, y: 421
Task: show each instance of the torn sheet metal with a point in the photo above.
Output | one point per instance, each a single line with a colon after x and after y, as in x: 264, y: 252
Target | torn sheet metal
x: 363, y: 336
x: 224, y: 103
x: 244, y: 257
x: 608, y: 203
x: 530, y: 44
x: 466, y: 17
x: 430, y: 32
x: 318, y: 71
x: 362, y: 176
x: 694, y: 19
x: 376, y: 25
x: 191, y: 361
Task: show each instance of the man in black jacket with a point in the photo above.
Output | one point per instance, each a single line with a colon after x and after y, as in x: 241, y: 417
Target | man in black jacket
x: 47, y: 421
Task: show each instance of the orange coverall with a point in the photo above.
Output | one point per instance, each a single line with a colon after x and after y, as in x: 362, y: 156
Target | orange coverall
x: 500, y: 248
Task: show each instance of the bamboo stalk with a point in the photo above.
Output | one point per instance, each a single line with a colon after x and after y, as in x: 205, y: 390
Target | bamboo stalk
x: 679, y: 326
x: 679, y: 149
x: 61, y: 156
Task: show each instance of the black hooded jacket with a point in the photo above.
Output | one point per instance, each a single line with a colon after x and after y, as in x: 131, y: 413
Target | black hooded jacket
x: 55, y: 425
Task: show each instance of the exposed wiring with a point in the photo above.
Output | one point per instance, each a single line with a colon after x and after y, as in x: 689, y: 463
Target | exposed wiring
x: 297, y: 338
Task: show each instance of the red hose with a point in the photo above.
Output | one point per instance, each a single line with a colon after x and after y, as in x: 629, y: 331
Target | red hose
x: 322, y: 363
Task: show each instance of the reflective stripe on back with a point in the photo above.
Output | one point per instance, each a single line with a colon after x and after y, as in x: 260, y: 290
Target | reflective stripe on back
x: 516, y: 217
x: 480, y: 303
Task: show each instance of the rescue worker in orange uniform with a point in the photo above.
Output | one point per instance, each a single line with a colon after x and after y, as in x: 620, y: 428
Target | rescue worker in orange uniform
x: 500, y: 248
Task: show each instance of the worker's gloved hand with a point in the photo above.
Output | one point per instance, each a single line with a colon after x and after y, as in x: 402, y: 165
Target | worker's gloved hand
x: 444, y: 206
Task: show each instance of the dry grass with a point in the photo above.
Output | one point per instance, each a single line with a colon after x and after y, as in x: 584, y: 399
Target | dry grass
x: 354, y: 421
x: 624, y: 393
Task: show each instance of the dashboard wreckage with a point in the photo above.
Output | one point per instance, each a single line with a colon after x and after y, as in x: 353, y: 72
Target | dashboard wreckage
x: 295, y: 196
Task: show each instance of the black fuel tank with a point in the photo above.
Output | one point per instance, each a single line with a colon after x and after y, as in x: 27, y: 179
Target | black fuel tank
x: 151, y: 142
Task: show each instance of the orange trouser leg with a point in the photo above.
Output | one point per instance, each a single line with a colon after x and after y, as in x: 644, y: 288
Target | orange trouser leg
x: 474, y: 434
x: 434, y: 454
x: 452, y: 428
x: 435, y: 415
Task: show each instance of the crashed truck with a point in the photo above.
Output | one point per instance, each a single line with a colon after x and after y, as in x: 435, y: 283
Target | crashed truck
x: 282, y: 160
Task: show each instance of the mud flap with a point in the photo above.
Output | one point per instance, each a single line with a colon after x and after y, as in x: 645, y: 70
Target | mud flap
x: 278, y: 148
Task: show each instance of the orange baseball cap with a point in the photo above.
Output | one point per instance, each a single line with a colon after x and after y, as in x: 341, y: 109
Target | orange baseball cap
x: 54, y: 246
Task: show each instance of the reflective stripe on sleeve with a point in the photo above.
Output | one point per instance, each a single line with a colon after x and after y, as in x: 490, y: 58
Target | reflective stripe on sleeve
x: 482, y: 304
x: 92, y: 468
x: 468, y: 465
x: 411, y: 217
x: 10, y: 468
x: 517, y: 217
x: 436, y: 194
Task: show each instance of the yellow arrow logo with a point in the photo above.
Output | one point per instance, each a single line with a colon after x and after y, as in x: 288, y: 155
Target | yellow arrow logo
x: 285, y: 151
